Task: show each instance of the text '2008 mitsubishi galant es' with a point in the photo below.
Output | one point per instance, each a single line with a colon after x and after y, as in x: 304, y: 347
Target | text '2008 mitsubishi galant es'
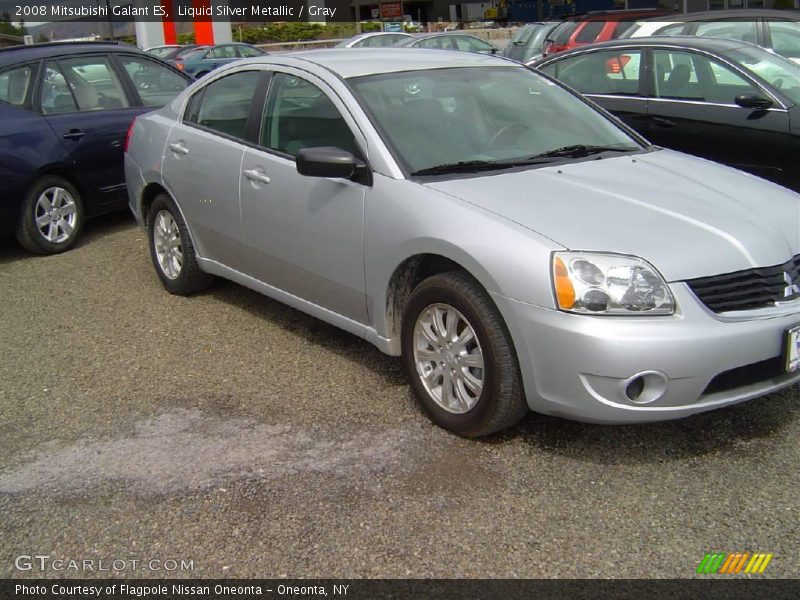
x: 518, y: 247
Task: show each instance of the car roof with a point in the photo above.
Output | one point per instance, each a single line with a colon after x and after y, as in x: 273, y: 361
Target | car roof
x: 355, y: 62
x: 16, y: 54
x: 685, y: 41
x: 724, y: 15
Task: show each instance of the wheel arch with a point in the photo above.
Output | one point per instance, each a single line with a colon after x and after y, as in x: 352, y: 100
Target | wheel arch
x: 408, y: 274
x: 150, y: 192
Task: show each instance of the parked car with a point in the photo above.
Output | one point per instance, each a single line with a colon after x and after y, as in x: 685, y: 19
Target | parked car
x: 515, y: 245
x: 593, y: 27
x: 173, y: 52
x: 204, y: 60
x: 375, y: 39
x: 725, y: 100
x: 64, y: 112
x: 451, y: 41
x: 528, y: 42
x: 777, y: 30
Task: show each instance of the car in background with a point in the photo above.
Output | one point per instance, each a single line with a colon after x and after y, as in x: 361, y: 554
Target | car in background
x: 375, y: 39
x: 725, y: 100
x: 516, y: 246
x: 528, y: 42
x: 207, y: 58
x: 64, y: 111
x: 776, y: 30
x: 593, y: 27
x: 173, y: 52
x: 451, y: 41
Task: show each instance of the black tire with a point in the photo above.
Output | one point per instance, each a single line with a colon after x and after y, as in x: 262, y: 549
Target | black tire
x: 501, y: 402
x: 35, y: 239
x: 188, y: 278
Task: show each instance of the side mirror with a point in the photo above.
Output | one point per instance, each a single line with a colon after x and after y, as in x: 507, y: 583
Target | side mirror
x: 326, y: 161
x: 753, y: 100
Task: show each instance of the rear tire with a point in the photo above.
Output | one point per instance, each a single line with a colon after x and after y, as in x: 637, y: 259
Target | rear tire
x: 172, y: 251
x: 52, y: 216
x: 459, y: 356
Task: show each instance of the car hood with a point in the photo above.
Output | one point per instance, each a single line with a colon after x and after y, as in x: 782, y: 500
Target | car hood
x: 687, y: 216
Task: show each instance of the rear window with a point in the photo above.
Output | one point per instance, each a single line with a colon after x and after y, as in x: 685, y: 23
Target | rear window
x: 560, y: 35
x: 14, y: 85
x: 523, y: 35
x: 589, y: 31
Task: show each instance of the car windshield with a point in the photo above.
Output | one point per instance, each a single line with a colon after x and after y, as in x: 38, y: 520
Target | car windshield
x: 779, y: 72
x: 483, y: 117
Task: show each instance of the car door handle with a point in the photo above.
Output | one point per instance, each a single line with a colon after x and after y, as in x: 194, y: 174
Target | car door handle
x: 74, y: 134
x: 662, y: 122
x: 256, y: 175
x: 179, y: 148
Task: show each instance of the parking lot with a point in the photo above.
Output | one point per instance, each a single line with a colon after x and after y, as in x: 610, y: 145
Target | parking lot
x: 241, y: 435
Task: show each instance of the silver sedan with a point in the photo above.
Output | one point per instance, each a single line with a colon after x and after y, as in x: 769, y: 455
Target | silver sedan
x: 517, y: 246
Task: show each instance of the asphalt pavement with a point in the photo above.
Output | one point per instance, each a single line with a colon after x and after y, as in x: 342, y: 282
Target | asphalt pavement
x: 245, y: 439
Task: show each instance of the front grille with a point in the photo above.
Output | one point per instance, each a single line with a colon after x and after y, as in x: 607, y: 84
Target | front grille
x: 747, y: 375
x: 748, y: 289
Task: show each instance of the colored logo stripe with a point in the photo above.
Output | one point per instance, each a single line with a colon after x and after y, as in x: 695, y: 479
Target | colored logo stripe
x: 733, y: 563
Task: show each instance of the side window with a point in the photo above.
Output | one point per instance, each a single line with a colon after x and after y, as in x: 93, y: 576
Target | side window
x: 671, y: 29
x: 155, y: 83
x: 299, y: 115
x: 733, y: 30
x: 15, y: 84
x: 94, y: 83
x: 589, y: 31
x: 609, y: 72
x: 248, y: 52
x: 465, y: 43
x: 689, y: 76
x: 434, y: 42
x: 785, y: 38
x: 223, y: 52
x: 225, y: 104
x: 56, y: 97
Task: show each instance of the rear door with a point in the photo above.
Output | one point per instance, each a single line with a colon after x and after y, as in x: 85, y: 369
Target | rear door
x: 85, y: 103
x: 202, y: 162
x: 693, y: 109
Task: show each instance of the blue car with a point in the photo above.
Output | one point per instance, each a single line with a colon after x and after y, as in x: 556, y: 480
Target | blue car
x: 65, y: 109
x: 207, y: 58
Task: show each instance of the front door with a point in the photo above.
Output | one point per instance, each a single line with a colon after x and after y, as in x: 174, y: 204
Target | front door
x: 693, y: 109
x: 304, y: 235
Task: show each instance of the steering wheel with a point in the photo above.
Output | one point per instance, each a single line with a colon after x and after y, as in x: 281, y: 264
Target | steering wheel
x: 505, y: 129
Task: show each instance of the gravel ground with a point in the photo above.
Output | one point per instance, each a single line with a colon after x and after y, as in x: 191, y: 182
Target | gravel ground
x: 232, y: 431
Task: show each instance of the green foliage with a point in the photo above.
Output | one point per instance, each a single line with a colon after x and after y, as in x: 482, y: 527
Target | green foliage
x: 186, y: 38
x: 783, y: 4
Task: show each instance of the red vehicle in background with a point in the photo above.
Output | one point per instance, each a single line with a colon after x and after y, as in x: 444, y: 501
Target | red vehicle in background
x: 601, y: 26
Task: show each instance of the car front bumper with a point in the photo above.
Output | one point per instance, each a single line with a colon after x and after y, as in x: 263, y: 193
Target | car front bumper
x: 580, y: 366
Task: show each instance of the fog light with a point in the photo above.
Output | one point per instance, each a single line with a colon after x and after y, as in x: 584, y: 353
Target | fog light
x: 634, y: 388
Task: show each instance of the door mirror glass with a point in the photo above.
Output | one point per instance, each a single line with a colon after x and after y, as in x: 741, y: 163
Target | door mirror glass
x: 326, y: 161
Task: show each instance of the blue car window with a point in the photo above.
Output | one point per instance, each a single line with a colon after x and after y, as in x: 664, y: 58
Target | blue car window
x: 14, y: 85
x: 94, y: 83
x: 56, y: 97
x: 155, y: 83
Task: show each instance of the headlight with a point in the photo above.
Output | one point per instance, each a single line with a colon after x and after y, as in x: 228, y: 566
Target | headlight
x: 609, y: 284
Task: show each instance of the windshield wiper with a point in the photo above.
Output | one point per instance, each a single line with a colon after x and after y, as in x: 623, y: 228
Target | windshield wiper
x: 464, y: 166
x: 578, y: 151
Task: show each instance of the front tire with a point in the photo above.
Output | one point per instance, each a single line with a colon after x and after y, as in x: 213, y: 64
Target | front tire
x: 52, y: 216
x: 459, y: 357
x: 172, y: 251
